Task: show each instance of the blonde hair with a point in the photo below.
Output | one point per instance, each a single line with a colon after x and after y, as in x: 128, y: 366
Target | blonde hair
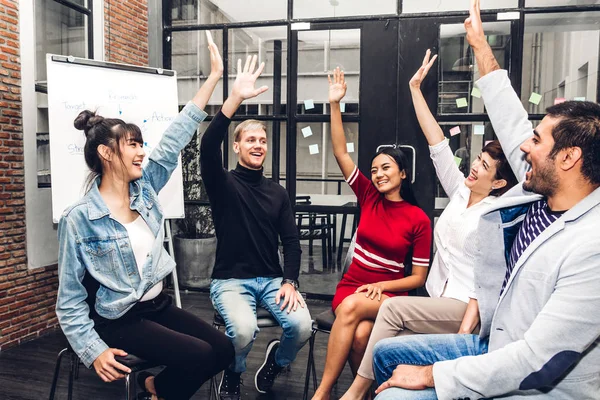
x: 248, y: 125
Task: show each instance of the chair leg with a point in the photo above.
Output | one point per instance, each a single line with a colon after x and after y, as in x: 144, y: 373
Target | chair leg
x: 341, y: 241
x: 128, y: 387
x: 57, y: 372
x: 74, y: 361
x: 324, y: 249
x: 310, y: 364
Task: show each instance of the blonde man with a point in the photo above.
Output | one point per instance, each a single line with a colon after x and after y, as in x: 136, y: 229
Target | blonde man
x: 251, y: 214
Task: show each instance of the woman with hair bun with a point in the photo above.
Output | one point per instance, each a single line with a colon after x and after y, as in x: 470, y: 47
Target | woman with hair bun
x: 111, y: 249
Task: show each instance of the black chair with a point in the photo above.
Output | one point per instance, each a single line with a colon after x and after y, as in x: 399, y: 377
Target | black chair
x: 136, y: 364
x: 131, y: 361
x: 264, y: 319
x: 313, y: 226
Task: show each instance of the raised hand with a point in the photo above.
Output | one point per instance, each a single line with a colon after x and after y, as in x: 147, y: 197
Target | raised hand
x: 337, y: 87
x: 216, y: 62
x: 243, y: 87
x: 474, y: 26
x: 419, y: 76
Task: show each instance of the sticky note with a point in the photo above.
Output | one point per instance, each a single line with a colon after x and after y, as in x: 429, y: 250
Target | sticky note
x: 579, y: 98
x: 462, y: 102
x: 350, y: 147
x: 488, y: 142
x: 343, y: 107
x: 306, y: 132
x: 559, y: 100
x: 535, y: 98
x: 457, y: 160
x: 476, y: 93
x: 455, y: 131
x: 313, y: 149
x: 309, y: 104
x: 478, y: 130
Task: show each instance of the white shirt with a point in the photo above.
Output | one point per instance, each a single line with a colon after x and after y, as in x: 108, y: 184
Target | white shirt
x: 452, y: 268
x: 142, y: 238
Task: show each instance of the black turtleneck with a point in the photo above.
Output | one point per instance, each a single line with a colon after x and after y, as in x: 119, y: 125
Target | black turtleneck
x: 251, y: 214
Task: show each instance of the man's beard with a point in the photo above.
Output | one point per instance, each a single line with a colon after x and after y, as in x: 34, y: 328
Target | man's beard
x: 544, y: 181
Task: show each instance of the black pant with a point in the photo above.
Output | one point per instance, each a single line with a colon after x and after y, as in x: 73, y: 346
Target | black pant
x: 191, y: 350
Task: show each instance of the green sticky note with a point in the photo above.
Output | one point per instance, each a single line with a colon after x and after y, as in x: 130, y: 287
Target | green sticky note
x: 476, y: 93
x: 343, y: 107
x: 462, y: 102
x: 535, y: 98
x: 457, y: 160
x: 579, y: 99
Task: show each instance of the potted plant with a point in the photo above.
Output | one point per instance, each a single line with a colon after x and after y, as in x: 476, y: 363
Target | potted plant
x: 194, y: 241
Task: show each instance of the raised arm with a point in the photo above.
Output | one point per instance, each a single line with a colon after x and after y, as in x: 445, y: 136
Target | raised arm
x: 163, y: 159
x: 446, y: 169
x: 337, y: 90
x: 507, y: 115
x: 211, y: 158
x: 432, y: 131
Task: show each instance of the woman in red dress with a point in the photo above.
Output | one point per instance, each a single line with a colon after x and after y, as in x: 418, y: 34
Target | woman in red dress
x: 391, y: 224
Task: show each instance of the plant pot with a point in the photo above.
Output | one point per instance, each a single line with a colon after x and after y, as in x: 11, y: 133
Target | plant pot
x: 195, y: 260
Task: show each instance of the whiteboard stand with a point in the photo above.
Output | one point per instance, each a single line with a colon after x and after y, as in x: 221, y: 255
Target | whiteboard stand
x: 169, y: 240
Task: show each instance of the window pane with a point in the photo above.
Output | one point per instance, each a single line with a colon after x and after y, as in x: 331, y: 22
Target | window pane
x: 539, y: 3
x: 264, y: 42
x: 193, y: 188
x: 560, y: 58
x: 318, y: 173
x: 458, y: 69
x: 319, y: 52
x: 191, y: 60
x: 344, y: 8
x: 225, y: 11
x: 58, y: 30
x: 421, y: 6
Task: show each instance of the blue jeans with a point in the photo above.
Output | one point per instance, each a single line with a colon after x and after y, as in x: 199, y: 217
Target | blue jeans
x: 420, y: 350
x: 236, y: 300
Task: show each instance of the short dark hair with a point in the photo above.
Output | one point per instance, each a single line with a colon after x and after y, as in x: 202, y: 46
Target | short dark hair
x: 578, y: 126
x: 503, y: 169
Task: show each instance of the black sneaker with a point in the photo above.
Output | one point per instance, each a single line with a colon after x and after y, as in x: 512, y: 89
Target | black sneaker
x: 229, y: 388
x: 268, y: 371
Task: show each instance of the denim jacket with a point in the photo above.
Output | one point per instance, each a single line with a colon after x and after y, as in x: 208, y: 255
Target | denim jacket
x: 92, y: 241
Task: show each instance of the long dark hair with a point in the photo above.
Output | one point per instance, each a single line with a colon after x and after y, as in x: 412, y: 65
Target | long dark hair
x: 107, y: 131
x: 503, y: 169
x: 406, y: 191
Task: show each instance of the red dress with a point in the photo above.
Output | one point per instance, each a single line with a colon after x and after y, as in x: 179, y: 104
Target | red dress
x: 386, y: 232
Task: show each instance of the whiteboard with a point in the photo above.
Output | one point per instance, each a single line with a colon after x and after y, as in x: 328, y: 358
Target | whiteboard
x: 144, y: 96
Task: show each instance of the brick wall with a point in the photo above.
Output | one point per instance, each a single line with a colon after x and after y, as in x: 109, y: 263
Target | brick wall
x: 126, y: 31
x: 26, y: 297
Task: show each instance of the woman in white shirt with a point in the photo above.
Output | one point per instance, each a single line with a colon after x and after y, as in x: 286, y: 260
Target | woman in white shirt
x: 452, y: 306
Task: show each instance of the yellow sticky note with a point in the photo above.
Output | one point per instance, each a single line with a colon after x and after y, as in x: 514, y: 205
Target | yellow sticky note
x: 535, y: 98
x: 462, y: 102
x: 457, y: 160
x: 476, y: 93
